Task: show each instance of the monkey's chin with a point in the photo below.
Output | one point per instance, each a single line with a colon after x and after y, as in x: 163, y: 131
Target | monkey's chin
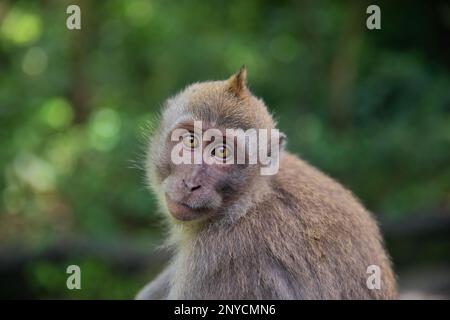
x: 182, y: 211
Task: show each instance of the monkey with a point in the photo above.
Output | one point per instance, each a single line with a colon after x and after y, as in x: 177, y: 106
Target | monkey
x: 237, y: 234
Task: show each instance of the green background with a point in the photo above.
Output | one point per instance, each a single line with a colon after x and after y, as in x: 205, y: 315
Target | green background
x: 369, y: 107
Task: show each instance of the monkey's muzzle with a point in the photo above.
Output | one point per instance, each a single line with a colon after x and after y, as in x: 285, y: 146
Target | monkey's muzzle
x: 182, y: 211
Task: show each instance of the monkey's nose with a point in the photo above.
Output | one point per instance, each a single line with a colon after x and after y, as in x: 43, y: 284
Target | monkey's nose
x: 191, y: 186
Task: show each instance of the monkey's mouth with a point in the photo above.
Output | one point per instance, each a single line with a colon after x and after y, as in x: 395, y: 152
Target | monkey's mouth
x: 182, y: 211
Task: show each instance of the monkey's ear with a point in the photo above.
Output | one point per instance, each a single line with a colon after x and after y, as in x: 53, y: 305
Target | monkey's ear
x: 238, y: 82
x: 280, y: 146
x: 283, y: 140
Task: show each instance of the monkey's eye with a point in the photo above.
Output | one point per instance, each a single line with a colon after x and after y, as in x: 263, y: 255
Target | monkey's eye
x: 190, y: 141
x: 221, y: 152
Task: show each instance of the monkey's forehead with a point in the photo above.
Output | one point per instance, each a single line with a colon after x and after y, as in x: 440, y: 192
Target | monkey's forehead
x: 212, y: 104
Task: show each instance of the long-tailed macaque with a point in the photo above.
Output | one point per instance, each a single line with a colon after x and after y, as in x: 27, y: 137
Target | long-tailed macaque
x: 239, y: 234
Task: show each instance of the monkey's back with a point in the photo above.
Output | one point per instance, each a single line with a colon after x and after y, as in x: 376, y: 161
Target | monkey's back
x: 320, y: 235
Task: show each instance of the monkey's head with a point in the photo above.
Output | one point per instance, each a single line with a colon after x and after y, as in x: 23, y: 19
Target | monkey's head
x: 189, y: 164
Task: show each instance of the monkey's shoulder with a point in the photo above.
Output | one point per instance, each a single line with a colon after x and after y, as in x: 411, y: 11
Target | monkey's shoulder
x: 313, y: 202
x: 302, y: 181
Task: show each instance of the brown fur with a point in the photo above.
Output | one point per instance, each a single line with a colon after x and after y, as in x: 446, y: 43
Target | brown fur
x: 295, y: 235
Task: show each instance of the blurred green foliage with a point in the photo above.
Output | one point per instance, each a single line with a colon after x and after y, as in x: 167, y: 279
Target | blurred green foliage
x: 98, y: 280
x: 371, y: 108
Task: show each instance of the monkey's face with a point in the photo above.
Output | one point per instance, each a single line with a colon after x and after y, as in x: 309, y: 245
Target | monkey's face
x: 200, y: 189
x: 197, y: 169
x: 190, y: 167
